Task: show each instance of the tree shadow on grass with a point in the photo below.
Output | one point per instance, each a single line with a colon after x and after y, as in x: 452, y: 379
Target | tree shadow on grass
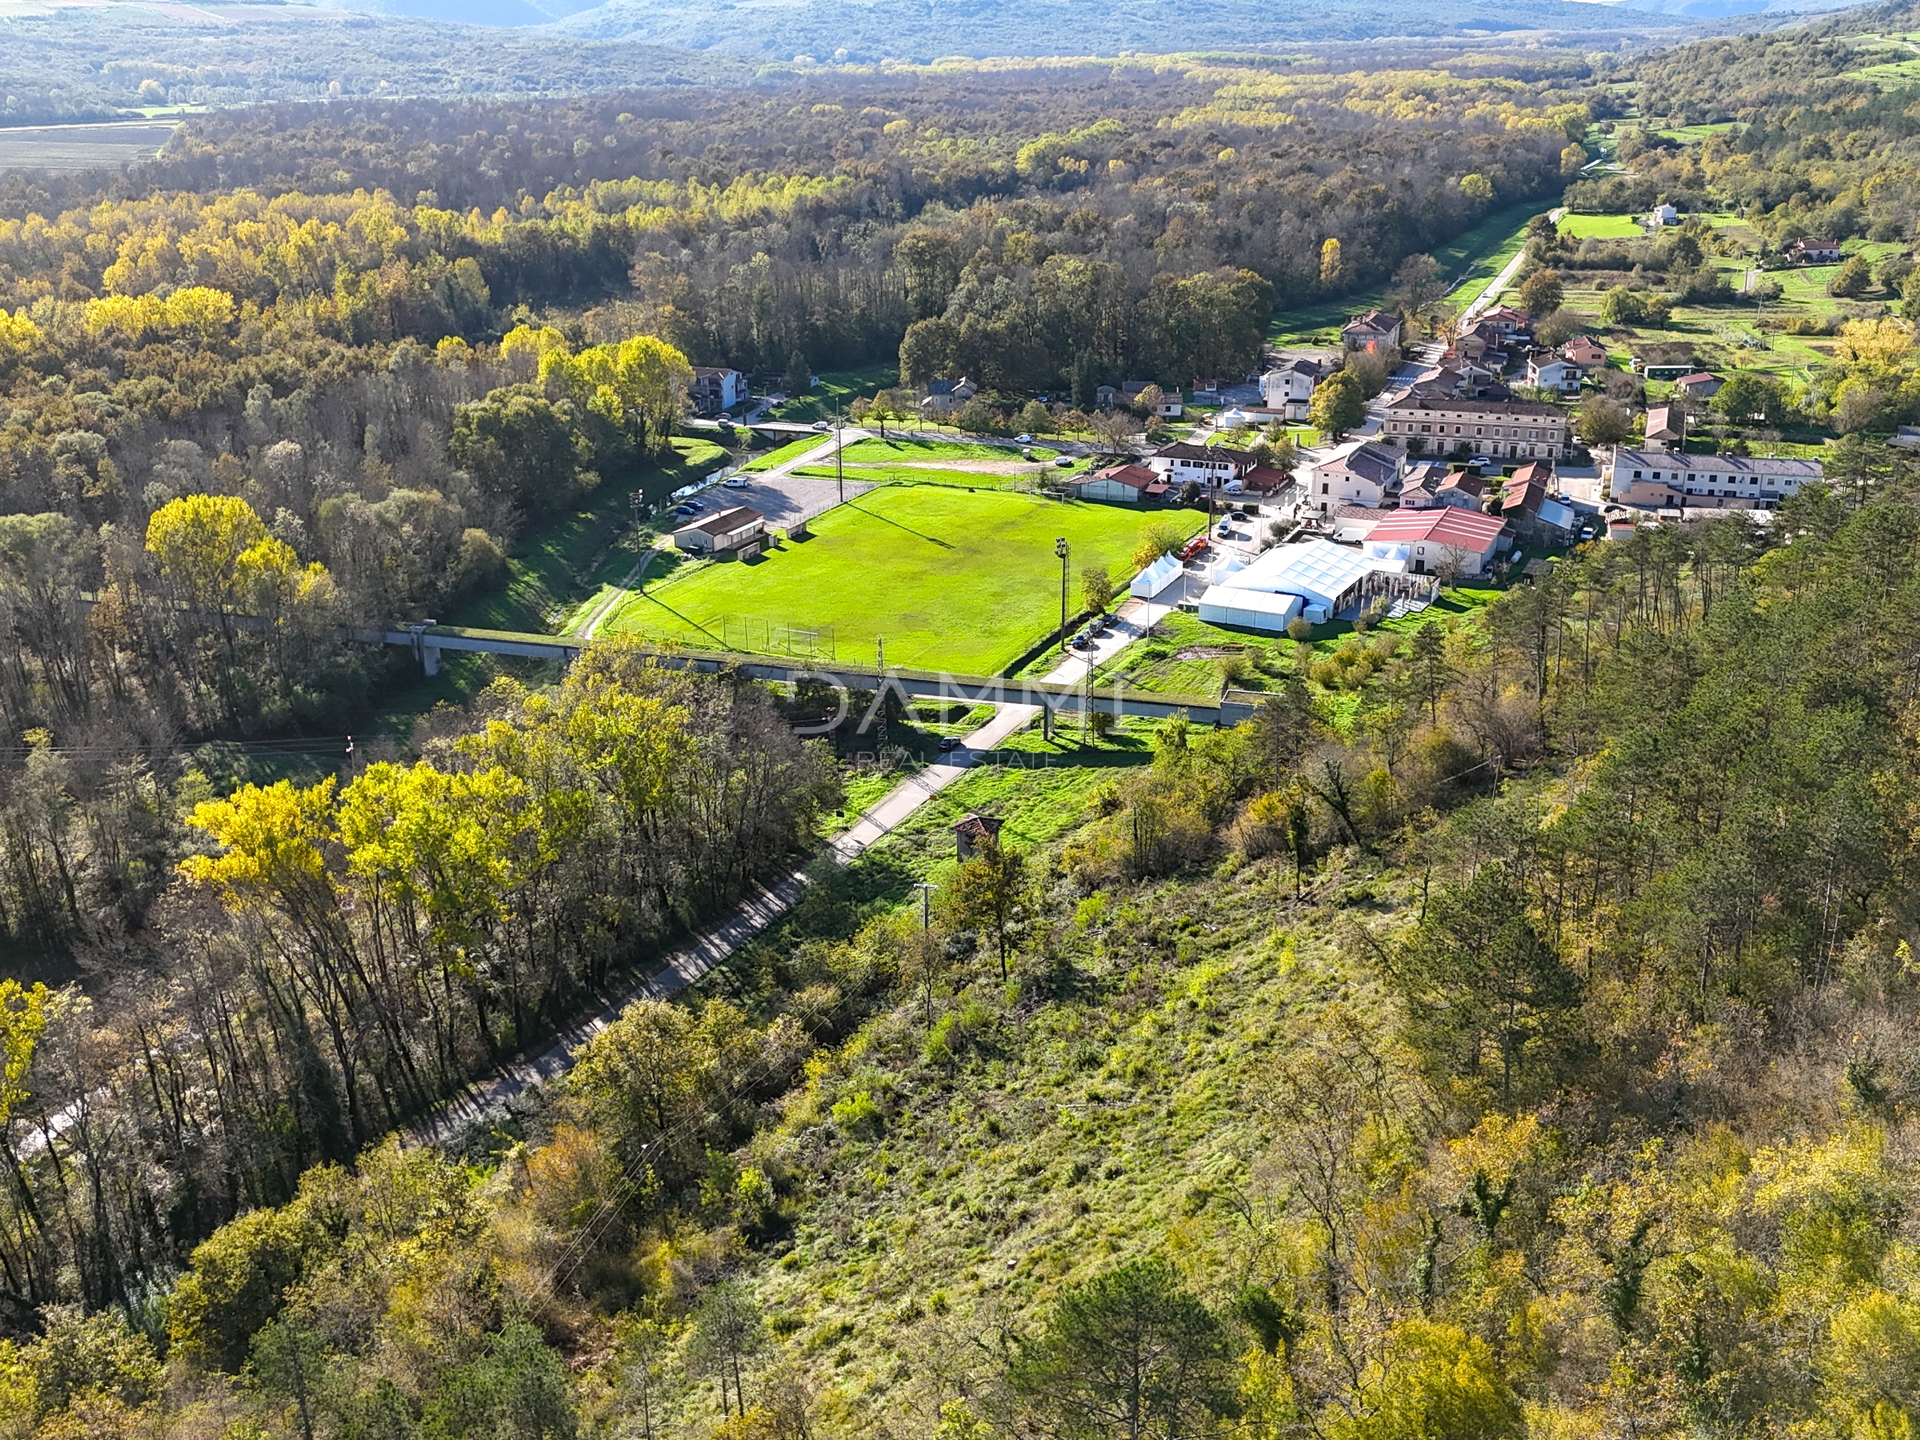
x: 930, y: 539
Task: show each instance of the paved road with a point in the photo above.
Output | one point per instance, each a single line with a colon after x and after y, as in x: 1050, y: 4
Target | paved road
x: 1492, y: 293
x: 492, y: 1099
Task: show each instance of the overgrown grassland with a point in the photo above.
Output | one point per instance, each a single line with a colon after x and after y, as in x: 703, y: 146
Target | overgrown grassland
x: 1051, y: 1131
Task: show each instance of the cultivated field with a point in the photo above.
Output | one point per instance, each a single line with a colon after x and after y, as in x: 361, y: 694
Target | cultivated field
x: 81, y: 147
x: 948, y: 580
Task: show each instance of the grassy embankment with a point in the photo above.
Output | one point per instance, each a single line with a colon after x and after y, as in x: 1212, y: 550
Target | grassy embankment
x: 552, y: 569
x: 834, y: 390
x: 1469, y: 262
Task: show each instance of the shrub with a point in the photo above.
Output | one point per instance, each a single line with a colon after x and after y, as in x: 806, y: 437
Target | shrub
x: 857, y: 1115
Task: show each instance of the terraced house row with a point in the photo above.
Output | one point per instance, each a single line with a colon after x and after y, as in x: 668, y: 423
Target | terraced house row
x: 1503, y: 429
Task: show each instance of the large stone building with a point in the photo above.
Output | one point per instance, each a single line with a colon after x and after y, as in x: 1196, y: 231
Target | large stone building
x: 1502, y: 429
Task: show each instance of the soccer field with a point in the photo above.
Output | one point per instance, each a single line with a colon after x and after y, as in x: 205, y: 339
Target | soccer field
x: 949, y: 580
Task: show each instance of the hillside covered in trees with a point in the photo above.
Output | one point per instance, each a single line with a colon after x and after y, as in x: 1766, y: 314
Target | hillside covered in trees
x: 1507, y: 1032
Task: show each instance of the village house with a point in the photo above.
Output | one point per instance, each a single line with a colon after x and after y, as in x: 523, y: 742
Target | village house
x: 1362, y: 475
x: 944, y: 397
x: 715, y: 390
x: 1548, y: 371
x: 1123, y: 485
x: 1168, y: 408
x: 1666, y: 427
x: 1662, y: 216
x: 1505, y: 321
x: 1808, y: 251
x: 1655, y: 479
x: 1463, y: 490
x: 1375, y: 330
x: 1288, y: 388
x: 1699, y: 385
x: 1210, y: 465
x: 1589, y: 354
x: 1521, y: 429
x: 1528, y: 505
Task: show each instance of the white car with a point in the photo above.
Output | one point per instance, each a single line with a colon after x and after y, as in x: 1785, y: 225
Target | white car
x: 1024, y: 439
x: 736, y: 482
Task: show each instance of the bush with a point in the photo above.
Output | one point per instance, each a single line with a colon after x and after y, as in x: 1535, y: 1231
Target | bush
x: 237, y: 1281
x: 858, y: 1116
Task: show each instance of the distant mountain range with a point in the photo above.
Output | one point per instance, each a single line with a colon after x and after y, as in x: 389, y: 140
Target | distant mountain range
x: 922, y: 30
x: 866, y: 30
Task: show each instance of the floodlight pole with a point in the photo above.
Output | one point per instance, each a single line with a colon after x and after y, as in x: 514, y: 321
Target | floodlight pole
x: 1063, y: 550
x: 839, y: 471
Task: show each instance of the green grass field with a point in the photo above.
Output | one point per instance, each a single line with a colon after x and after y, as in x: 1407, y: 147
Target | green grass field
x: 1694, y: 134
x: 1469, y: 262
x: 914, y: 475
x: 947, y: 579
x: 874, y: 452
x: 556, y: 566
x: 835, y: 390
x: 792, y: 450
x: 1601, y: 227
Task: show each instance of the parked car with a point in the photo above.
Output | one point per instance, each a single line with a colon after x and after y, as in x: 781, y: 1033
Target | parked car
x: 683, y: 509
x: 737, y: 482
x: 1065, y: 462
x: 1195, y: 546
x: 1024, y: 439
x: 1082, y: 641
x: 950, y: 742
x: 821, y: 425
x: 1225, y: 532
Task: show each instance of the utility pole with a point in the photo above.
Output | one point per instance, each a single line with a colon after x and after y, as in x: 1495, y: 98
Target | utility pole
x: 926, y: 896
x: 1063, y: 550
x: 839, y: 471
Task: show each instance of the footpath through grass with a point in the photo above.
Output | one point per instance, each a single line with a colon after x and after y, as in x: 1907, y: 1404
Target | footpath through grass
x: 948, y: 580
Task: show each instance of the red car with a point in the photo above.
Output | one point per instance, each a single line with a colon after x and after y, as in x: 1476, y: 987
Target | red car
x: 1195, y: 546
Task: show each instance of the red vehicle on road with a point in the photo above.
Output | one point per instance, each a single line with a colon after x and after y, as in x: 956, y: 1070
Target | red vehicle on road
x: 1195, y: 546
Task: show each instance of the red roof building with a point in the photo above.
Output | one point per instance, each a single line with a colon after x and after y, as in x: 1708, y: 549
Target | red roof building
x: 1438, y: 541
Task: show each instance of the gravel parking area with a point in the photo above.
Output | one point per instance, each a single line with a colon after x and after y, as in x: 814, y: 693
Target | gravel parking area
x: 786, y: 499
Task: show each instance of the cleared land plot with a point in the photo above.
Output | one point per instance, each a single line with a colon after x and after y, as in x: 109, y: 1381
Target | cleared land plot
x: 947, y: 579
x: 835, y: 390
x: 792, y: 450
x: 1601, y: 227
x: 81, y: 147
x: 1728, y: 335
